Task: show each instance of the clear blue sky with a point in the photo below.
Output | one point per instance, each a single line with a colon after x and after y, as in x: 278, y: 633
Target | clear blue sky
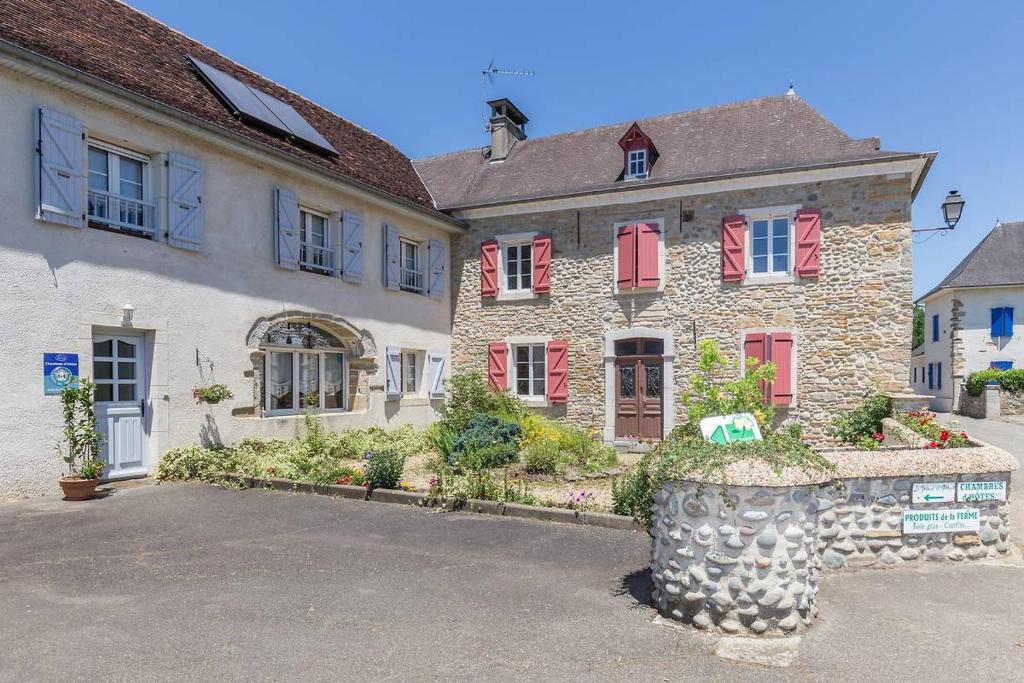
x: 923, y: 76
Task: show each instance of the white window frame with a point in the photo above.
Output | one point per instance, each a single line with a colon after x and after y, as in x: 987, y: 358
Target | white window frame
x: 510, y: 375
x: 114, y: 156
x: 641, y: 158
x: 321, y: 370
x: 662, y: 260
x: 513, y: 240
x: 769, y: 213
x: 794, y: 361
x: 305, y: 227
x: 418, y: 368
x: 403, y: 242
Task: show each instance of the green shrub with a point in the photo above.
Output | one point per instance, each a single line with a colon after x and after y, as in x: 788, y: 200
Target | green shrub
x: 631, y: 493
x: 195, y: 462
x: 545, y: 457
x: 713, y: 391
x: 354, y: 444
x: 586, y: 452
x: 469, y: 396
x: 482, y: 485
x: 1010, y: 380
x: 384, y: 470
x: 442, y: 439
x: 343, y: 475
x: 497, y: 437
x: 852, y: 426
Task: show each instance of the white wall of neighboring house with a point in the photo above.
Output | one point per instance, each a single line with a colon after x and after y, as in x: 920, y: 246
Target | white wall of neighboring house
x: 62, y: 285
x: 980, y: 348
x: 936, y: 352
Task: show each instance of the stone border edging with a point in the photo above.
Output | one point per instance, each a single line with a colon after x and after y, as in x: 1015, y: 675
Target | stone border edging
x: 486, y: 507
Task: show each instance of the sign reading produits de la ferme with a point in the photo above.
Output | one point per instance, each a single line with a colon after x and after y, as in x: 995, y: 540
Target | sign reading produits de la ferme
x: 940, y: 521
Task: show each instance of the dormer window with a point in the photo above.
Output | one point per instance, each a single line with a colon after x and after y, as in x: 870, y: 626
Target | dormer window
x: 637, y: 164
x: 639, y: 154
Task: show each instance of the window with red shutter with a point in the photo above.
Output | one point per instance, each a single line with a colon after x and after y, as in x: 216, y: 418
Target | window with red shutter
x: 489, y: 268
x: 648, y: 237
x: 756, y: 346
x: 497, y: 366
x: 781, y: 354
x: 541, y: 263
x: 733, y: 228
x: 808, y: 242
x: 626, y: 267
x: 558, y: 371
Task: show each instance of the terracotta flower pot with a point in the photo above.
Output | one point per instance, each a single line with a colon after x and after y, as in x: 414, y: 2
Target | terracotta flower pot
x: 75, y: 488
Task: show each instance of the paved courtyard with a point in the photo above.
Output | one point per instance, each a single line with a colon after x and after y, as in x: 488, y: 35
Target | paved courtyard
x: 190, y: 582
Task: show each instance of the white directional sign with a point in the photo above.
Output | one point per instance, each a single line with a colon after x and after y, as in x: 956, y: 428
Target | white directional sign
x: 972, y: 491
x: 934, y: 492
x: 939, y: 521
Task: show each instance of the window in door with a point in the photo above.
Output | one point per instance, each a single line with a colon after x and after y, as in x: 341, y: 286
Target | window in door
x: 530, y: 370
x: 114, y: 370
x: 315, y: 252
x: 118, y: 197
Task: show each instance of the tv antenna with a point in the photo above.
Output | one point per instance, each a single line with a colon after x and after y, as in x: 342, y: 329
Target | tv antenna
x: 487, y: 77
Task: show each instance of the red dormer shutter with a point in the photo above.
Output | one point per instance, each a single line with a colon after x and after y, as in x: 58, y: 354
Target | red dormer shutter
x: 732, y: 248
x: 808, y: 242
x: 626, y: 267
x: 489, y: 268
x: 647, y: 261
x: 541, y: 263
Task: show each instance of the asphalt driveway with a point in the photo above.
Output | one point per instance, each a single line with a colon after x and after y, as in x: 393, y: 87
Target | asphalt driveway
x: 192, y: 582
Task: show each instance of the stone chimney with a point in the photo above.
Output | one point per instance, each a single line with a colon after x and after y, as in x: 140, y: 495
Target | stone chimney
x: 508, y: 126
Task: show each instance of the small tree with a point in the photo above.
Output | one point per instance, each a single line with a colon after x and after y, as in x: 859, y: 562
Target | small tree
x: 80, y: 446
x: 713, y: 391
x: 917, y: 334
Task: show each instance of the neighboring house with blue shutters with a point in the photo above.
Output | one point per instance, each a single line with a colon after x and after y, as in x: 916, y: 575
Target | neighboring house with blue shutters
x: 261, y: 242
x: 975, y: 318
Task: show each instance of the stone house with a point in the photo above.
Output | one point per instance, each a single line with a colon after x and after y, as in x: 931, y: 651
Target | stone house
x: 595, y: 260
x: 174, y: 219
x: 969, y: 318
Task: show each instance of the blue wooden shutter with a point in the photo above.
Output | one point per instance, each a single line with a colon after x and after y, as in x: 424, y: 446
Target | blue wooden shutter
x: 60, y: 168
x: 436, y: 274
x: 392, y: 257
x: 352, y: 247
x: 938, y: 375
x: 435, y: 363
x: 997, y: 322
x: 931, y: 375
x: 184, y: 202
x: 392, y: 373
x: 1008, y: 322
x: 935, y: 328
x: 286, y: 228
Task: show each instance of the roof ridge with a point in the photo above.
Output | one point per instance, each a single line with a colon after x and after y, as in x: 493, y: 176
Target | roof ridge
x: 247, y: 69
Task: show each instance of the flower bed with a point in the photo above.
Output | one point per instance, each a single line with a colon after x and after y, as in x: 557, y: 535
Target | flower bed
x: 934, y: 434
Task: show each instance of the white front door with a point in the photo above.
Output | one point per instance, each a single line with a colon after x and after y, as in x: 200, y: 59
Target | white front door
x: 119, y: 371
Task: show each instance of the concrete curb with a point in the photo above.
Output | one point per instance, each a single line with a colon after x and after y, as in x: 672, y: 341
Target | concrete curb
x: 484, y: 507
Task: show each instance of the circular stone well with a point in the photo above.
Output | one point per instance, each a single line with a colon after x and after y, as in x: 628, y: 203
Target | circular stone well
x: 748, y: 566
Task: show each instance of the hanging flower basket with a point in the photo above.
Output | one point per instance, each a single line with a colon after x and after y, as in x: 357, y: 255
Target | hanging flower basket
x: 212, y: 393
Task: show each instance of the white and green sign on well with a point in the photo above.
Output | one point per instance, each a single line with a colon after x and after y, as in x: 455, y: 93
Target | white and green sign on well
x: 727, y: 429
x: 939, y: 521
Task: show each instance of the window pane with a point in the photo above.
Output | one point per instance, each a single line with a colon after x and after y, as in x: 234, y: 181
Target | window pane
x: 334, y: 381
x: 780, y: 263
x: 131, y: 178
x: 103, y: 369
x: 319, y: 231
x: 309, y: 380
x: 97, y: 170
x: 125, y: 392
x: 653, y: 379
x: 627, y: 381
x: 760, y: 229
x: 654, y: 346
x: 523, y: 387
x: 104, y: 349
x: 523, y: 354
x: 104, y: 392
x: 626, y: 348
x: 409, y: 373
x: 280, y: 381
x: 538, y: 386
x: 760, y: 264
x: 780, y: 227
x: 125, y: 350
x: 126, y: 370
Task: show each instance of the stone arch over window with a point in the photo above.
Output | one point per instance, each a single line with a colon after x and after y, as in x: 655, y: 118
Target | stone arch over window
x: 302, y: 329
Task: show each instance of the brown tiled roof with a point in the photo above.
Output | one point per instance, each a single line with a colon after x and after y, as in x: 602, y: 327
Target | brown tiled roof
x: 111, y: 41
x: 995, y: 261
x: 766, y: 134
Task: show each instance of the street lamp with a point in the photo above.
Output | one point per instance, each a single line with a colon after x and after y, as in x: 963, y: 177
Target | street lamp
x: 952, y: 207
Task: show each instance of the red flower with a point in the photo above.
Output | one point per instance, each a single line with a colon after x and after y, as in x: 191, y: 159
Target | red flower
x: 944, y: 436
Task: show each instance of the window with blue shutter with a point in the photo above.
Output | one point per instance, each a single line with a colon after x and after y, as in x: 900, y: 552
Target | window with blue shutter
x: 1002, y: 322
x: 931, y: 375
x: 1001, y: 365
x: 938, y: 376
x: 935, y: 328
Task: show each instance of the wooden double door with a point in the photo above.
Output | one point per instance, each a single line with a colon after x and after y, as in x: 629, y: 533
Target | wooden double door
x: 639, y: 388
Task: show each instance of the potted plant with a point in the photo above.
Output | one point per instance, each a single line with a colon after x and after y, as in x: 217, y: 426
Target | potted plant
x: 81, y: 443
x: 212, y: 393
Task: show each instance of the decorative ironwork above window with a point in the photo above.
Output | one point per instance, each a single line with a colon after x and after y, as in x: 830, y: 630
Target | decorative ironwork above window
x: 301, y: 335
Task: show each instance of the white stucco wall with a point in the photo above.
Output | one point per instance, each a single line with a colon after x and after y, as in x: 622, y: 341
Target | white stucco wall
x: 63, y: 284
x: 980, y: 349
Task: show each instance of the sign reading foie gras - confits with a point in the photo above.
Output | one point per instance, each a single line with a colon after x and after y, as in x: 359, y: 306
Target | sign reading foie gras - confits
x: 940, y: 521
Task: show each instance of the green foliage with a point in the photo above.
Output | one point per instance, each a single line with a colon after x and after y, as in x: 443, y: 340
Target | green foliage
x: 487, y: 438
x: 80, y: 445
x: 544, y: 458
x: 342, y: 475
x: 482, y: 485
x: 469, y: 396
x: 853, y: 426
x: 713, y: 392
x: 1010, y: 380
x: 631, y: 492
x: 442, y: 439
x: 917, y: 334
x: 553, y: 447
x: 90, y: 468
x: 195, y: 462
x: 384, y: 470
x: 212, y: 393
x: 354, y: 444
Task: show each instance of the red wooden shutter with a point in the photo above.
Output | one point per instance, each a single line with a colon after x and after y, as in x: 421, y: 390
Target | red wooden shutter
x: 558, y: 371
x: 756, y: 346
x: 732, y: 248
x: 497, y: 366
x: 489, y: 268
x: 782, y: 357
x: 808, y: 242
x: 647, y: 261
x: 626, y: 273
x: 541, y: 263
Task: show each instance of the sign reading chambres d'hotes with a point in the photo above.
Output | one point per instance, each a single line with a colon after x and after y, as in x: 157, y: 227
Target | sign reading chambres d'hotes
x: 970, y: 491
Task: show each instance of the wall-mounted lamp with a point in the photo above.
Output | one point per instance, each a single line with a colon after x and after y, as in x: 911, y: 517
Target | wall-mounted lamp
x: 127, y: 313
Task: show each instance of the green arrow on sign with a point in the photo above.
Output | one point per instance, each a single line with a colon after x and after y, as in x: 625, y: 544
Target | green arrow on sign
x: 928, y: 497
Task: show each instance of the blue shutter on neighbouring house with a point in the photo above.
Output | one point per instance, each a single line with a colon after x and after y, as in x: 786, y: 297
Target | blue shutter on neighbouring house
x: 1001, y: 365
x: 931, y: 375
x: 1002, y: 322
x: 935, y: 328
x: 1007, y: 322
x: 997, y: 322
x: 938, y: 376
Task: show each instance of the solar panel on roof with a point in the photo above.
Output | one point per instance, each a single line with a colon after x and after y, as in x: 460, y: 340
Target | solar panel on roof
x: 258, y: 108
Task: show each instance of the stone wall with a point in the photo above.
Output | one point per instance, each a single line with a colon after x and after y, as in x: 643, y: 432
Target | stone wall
x: 852, y: 324
x: 993, y: 402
